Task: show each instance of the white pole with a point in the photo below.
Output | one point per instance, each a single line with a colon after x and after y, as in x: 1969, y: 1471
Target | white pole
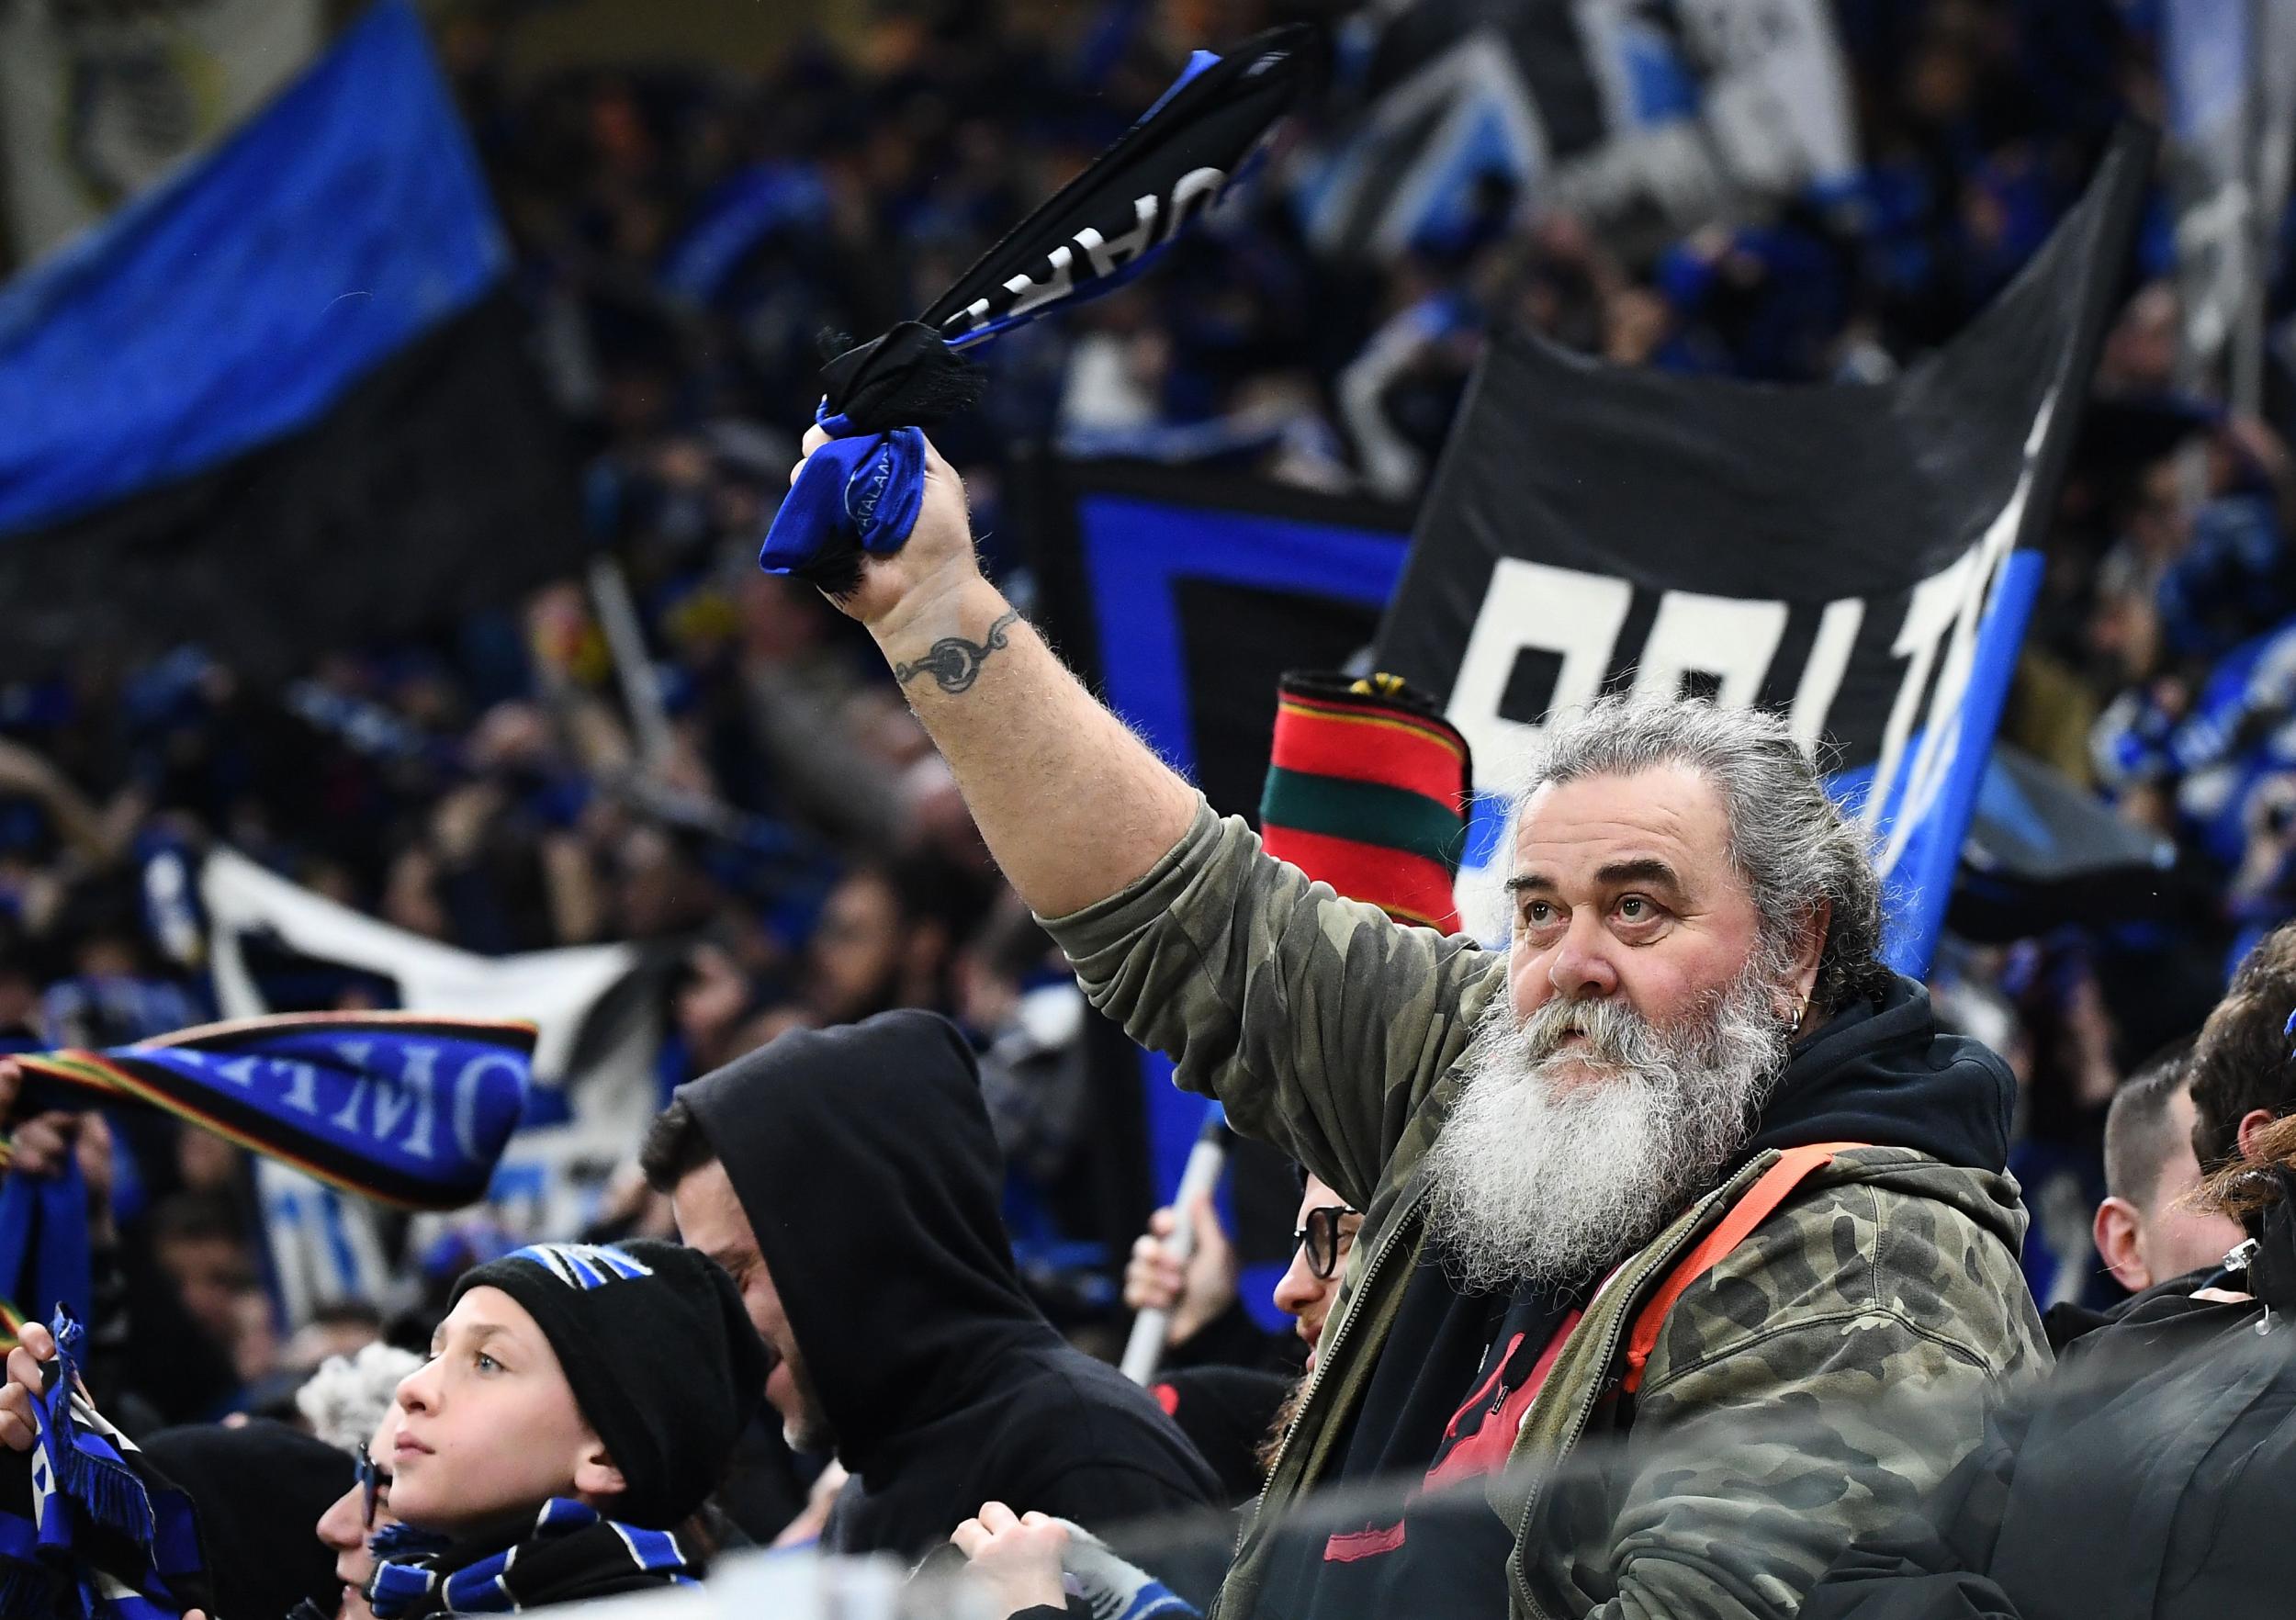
x: 625, y: 639
x: 1206, y: 1159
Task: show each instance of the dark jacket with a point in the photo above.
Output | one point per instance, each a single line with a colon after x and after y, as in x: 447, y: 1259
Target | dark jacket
x: 864, y: 1158
x: 2152, y: 1477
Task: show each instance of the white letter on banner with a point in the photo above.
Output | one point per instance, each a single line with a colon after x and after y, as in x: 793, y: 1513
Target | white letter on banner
x: 1929, y: 615
x: 1531, y: 606
x: 355, y: 1053
x: 239, y: 1072
x: 1197, y: 185
x: 422, y: 1085
x: 1822, y: 675
x: 1730, y: 638
x: 1029, y: 294
x: 466, y: 1099
x: 1109, y: 257
x: 972, y: 316
x: 302, y: 1093
x: 391, y: 1102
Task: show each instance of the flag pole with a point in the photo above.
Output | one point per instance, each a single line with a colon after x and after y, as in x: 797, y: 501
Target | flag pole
x: 1206, y: 1159
x: 626, y: 640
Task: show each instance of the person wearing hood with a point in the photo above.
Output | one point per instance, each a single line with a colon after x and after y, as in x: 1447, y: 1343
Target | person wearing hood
x: 1686, y: 1165
x: 848, y: 1179
x: 2172, y: 1420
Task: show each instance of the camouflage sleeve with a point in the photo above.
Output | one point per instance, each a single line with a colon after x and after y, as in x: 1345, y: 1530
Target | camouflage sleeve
x: 1813, y: 1389
x: 1317, y: 1021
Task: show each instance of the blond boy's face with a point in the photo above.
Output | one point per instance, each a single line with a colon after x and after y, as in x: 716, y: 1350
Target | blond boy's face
x: 487, y: 1428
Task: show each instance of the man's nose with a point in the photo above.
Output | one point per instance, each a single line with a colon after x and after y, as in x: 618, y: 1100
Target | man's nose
x: 1581, y: 969
x: 339, y: 1526
x: 1297, y: 1289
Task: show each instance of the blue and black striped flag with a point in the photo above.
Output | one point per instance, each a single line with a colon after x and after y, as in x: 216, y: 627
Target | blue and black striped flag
x: 280, y: 403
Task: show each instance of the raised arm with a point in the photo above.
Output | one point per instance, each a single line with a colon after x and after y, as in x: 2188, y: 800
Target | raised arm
x: 1318, y: 1022
x: 1073, y: 805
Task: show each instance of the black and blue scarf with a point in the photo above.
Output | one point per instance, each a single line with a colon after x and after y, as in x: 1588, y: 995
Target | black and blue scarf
x: 862, y: 492
x: 570, y: 1553
x: 99, y: 1535
x: 408, y: 1109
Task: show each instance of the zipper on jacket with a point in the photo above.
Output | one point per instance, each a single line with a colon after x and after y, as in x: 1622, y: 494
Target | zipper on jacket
x: 1613, y: 1335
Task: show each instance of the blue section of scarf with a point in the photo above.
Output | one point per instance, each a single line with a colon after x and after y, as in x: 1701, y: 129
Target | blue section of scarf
x: 44, y: 1252
x: 412, y: 1576
x: 864, y: 491
x: 106, y: 1538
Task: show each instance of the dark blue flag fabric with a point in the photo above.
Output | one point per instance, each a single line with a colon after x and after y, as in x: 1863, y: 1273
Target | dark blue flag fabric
x: 280, y: 401
x: 100, y: 1535
x: 1861, y: 557
x: 1099, y: 231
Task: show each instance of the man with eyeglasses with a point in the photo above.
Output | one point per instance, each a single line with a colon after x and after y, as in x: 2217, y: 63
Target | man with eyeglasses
x: 350, y: 1522
x: 1209, y: 1322
x: 1232, y: 1387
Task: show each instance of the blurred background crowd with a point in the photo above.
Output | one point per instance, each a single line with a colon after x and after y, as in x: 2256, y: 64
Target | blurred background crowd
x: 780, y: 833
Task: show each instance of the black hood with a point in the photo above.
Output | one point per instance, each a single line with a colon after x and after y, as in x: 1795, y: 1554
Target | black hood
x: 1880, y: 1072
x: 864, y: 1158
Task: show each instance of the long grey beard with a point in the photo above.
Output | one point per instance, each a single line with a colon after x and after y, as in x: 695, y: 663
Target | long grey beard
x: 1540, y: 1183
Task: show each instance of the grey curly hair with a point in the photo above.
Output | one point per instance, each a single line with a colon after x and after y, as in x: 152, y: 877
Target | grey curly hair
x: 343, y: 1402
x: 1793, y: 846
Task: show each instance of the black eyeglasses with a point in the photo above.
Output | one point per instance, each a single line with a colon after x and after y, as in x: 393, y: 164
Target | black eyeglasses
x: 1321, y: 1237
x: 372, y: 1481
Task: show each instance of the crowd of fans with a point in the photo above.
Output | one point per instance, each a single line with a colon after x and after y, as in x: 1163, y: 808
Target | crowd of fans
x: 789, y: 828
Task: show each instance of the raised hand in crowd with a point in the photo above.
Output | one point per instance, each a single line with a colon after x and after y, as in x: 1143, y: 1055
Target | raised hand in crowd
x: 35, y: 1347
x: 39, y: 1145
x: 1196, y: 1291
x: 1014, y: 1557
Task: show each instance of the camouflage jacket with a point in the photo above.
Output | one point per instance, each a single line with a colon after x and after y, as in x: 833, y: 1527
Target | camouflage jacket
x: 1811, y: 1387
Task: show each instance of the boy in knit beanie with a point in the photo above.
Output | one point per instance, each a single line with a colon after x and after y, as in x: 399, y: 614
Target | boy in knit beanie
x: 581, y: 1402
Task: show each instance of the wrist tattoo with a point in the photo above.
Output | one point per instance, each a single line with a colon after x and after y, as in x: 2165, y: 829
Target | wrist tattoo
x: 955, y: 663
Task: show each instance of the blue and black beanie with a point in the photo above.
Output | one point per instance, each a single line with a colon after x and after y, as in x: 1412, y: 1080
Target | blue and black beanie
x: 659, y: 1352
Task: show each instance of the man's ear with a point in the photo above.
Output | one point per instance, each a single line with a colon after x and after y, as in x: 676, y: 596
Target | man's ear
x: 1807, y: 950
x: 2116, y: 1229
x: 2254, y: 1120
x: 595, y: 1477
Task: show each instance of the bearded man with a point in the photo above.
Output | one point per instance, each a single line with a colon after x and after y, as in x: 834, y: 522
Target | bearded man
x: 1684, y: 1169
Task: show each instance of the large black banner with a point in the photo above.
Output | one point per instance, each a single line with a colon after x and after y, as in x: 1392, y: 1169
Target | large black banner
x: 1849, y: 553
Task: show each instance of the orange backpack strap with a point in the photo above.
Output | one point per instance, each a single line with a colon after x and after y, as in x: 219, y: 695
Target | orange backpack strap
x: 1754, y: 1207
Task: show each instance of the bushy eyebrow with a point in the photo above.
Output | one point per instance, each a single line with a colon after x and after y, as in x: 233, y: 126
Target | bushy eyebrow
x: 1642, y: 869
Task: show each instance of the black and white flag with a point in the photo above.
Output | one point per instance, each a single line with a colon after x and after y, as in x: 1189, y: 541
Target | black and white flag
x: 1856, y: 555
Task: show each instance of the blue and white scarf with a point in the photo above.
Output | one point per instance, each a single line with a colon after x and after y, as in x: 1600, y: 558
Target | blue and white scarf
x: 862, y: 492
x: 105, y: 1537
x: 571, y: 1553
x: 403, y: 1107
